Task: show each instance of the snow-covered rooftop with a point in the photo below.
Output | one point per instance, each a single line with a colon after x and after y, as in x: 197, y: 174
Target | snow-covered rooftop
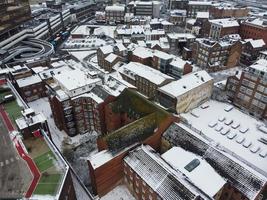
x: 100, y: 158
x: 24, y: 122
x: 111, y: 57
x: 203, y: 15
x: 232, y: 129
x: 31, y: 80
x: 133, y: 68
x: 240, y: 175
x: 46, y: 74
x: 179, y: 158
x: 181, y: 36
x: 259, y: 65
x: 81, y: 30
x: 257, y: 22
x: 157, y: 174
x: 186, y: 83
x: 257, y: 43
x: 120, y: 8
x: 106, y: 49
x: 206, y: 3
x: 227, y: 22
x: 71, y: 80
x: 178, y: 62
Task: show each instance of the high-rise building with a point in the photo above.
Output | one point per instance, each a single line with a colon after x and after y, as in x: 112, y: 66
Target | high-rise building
x: 12, y: 14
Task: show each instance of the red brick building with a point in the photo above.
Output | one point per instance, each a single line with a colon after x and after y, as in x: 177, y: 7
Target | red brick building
x: 132, y: 120
x: 222, y: 10
x: 254, y: 28
x: 222, y: 27
x: 248, y: 90
x: 31, y: 88
x: 251, y: 51
x: 214, y: 55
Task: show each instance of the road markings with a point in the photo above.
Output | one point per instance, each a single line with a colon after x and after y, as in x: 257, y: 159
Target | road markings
x: 7, y: 162
x: 2, y: 164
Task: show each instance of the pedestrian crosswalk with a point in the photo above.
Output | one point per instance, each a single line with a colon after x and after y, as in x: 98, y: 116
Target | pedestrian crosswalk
x: 8, y: 161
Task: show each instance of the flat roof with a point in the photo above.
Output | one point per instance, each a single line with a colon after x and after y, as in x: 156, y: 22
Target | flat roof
x: 200, y: 3
x: 133, y: 68
x: 115, y: 8
x: 227, y: 22
x: 233, y: 129
x: 179, y: 159
x: 31, y: 80
x: 186, y: 83
x: 74, y: 79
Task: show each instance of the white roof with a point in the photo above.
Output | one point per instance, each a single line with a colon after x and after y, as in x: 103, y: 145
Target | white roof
x: 203, y: 14
x: 23, y: 122
x: 256, y: 22
x: 143, y: 52
x: 260, y: 65
x: 38, y: 69
x: 181, y: 36
x: 215, y: 111
x: 257, y: 43
x: 23, y: 82
x: 115, y: 8
x: 186, y: 83
x: 199, y: 2
x: 178, y: 158
x: 227, y: 22
x: 100, y: 158
x: 81, y: 30
x: 191, y: 21
x: 111, y: 57
x: 107, y: 49
x: 74, y: 79
x: 178, y: 62
x: 133, y: 68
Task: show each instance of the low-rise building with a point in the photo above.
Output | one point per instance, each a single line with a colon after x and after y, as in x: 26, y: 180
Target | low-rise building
x: 111, y: 60
x: 186, y: 93
x: 115, y: 13
x: 173, y: 175
x: 145, y: 8
x: 214, y: 55
x: 178, y: 41
x: 255, y: 28
x: 31, y: 88
x: 251, y: 51
x: 248, y: 90
x: 243, y: 180
x: 197, y: 6
x: 263, y: 55
x: 146, y: 79
x: 224, y: 10
x: 178, y: 17
x: 221, y: 27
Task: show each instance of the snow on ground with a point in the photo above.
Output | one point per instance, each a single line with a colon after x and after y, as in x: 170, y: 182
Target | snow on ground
x: 120, y: 192
x: 106, y: 30
x: 82, y: 145
x: 42, y: 105
x: 228, y: 128
x: 224, y: 74
x: 80, y: 55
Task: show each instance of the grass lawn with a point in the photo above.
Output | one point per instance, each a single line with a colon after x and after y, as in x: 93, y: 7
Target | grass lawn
x: 48, y: 184
x: 44, y: 161
x: 13, y: 110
